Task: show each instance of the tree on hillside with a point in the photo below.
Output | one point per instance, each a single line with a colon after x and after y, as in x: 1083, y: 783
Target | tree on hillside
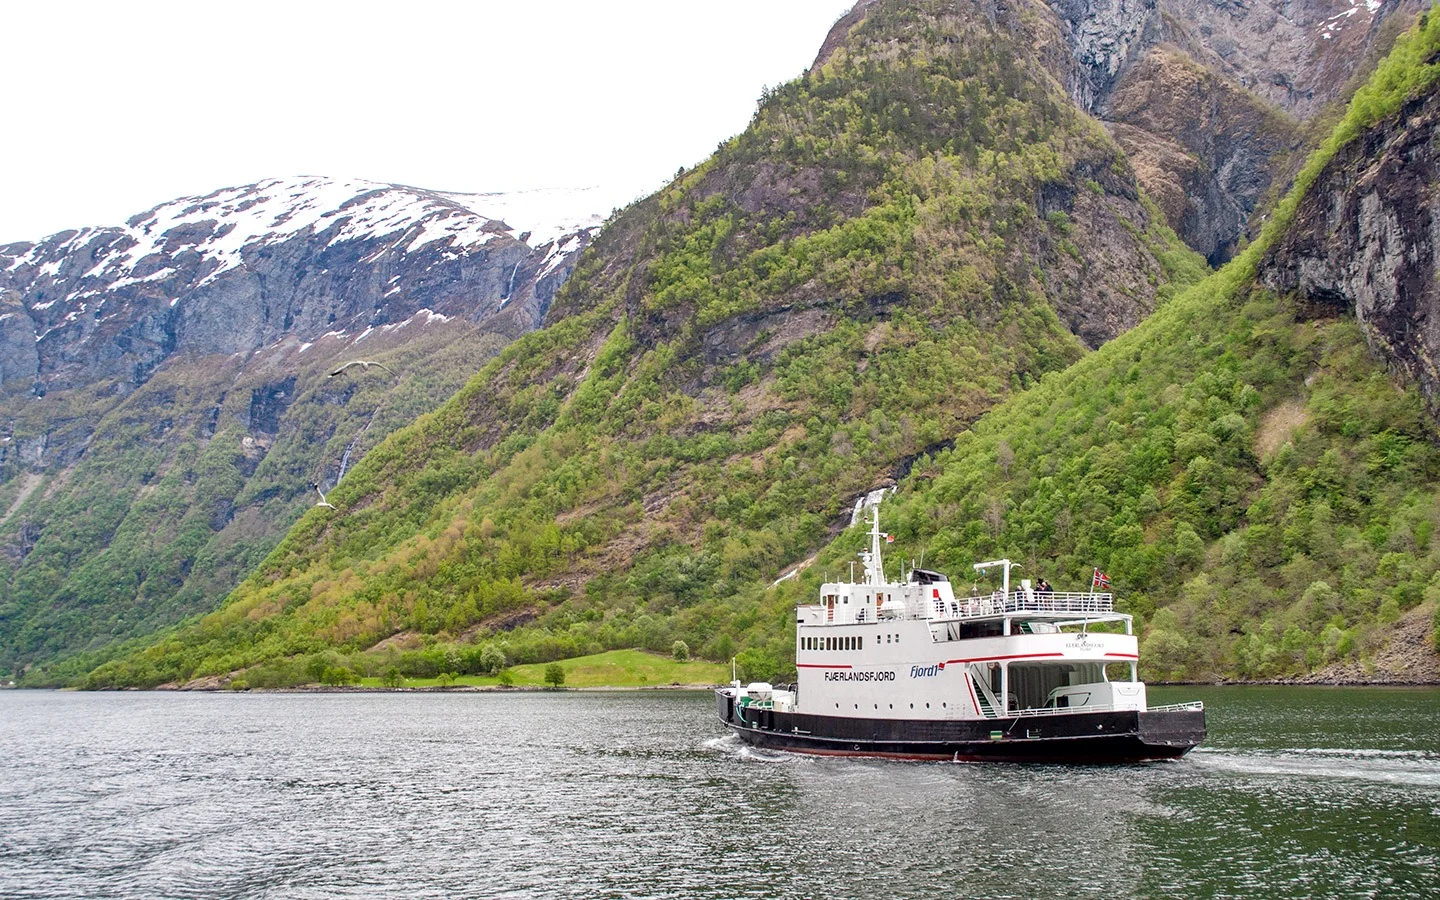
x: 680, y: 650
x: 554, y: 675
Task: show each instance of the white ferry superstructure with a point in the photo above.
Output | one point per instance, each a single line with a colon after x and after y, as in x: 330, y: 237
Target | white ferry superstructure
x: 908, y: 669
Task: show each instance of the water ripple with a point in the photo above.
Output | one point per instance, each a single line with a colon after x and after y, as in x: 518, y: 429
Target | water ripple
x: 544, y: 796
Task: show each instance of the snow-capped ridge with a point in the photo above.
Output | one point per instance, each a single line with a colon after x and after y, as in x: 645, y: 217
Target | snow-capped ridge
x: 222, y: 225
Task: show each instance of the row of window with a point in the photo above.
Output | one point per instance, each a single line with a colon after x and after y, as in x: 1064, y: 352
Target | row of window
x: 847, y: 642
x: 832, y: 599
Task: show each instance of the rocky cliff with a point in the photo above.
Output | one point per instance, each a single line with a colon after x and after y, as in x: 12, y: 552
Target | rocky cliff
x: 1208, y: 98
x: 165, y: 397
x: 242, y: 268
x: 1364, y: 242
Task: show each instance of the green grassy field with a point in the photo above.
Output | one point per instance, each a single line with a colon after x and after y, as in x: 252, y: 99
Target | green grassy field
x: 617, y: 668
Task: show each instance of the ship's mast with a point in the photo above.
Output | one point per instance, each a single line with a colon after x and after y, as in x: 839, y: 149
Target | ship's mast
x: 874, y: 567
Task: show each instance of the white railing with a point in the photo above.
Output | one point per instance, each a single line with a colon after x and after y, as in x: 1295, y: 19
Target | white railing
x: 1065, y: 603
x: 1000, y: 603
x: 1196, y: 705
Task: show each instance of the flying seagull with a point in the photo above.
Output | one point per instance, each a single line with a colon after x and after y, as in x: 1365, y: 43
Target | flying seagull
x: 367, y: 363
x: 323, y: 502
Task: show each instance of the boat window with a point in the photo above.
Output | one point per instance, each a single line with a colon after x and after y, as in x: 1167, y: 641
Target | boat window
x: 860, y: 642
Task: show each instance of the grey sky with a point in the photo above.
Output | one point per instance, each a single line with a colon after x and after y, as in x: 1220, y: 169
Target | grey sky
x: 118, y: 106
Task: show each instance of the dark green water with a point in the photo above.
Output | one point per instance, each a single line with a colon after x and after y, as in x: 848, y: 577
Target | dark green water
x: 1300, y: 792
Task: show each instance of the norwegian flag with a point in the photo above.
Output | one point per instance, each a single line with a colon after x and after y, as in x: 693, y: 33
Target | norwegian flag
x: 889, y: 538
x: 1099, y: 580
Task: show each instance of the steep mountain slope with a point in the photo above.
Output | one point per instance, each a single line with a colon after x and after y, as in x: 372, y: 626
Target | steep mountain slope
x: 915, y: 229
x: 1210, y: 99
x: 1364, y: 242
x: 1242, y: 464
x: 164, y: 399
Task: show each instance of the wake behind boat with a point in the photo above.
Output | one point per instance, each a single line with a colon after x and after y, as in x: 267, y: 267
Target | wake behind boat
x: 906, y: 669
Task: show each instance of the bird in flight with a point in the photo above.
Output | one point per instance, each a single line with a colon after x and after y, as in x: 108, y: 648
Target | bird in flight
x: 323, y: 502
x: 367, y: 363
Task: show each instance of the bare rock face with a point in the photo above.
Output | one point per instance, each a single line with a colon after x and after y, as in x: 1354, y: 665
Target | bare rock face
x: 19, y: 360
x: 1365, y: 238
x: 240, y: 268
x: 1203, y: 147
x: 1297, y: 56
x: 1207, y: 96
x: 1105, y: 36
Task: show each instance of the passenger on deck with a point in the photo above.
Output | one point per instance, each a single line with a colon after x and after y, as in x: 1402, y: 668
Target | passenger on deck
x: 1043, y: 587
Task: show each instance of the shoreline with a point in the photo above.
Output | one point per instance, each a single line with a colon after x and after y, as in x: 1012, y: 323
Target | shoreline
x: 661, y: 688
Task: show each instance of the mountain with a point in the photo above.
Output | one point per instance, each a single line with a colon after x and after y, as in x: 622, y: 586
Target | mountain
x: 165, y: 404
x: 1212, y: 101
x: 892, y: 278
x: 1255, y: 466
x: 917, y: 228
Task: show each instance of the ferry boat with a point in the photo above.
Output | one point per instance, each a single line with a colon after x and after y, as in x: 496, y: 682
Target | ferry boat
x: 910, y: 670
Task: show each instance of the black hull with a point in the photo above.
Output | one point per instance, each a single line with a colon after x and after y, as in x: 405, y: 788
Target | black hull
x: 1099, y: 737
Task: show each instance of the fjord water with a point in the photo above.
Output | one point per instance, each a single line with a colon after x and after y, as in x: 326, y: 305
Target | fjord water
x: 1299, y: 792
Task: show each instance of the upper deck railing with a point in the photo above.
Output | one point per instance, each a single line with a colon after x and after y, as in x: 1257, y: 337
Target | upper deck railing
x: 1050, y: 603
x: 1061, y: 603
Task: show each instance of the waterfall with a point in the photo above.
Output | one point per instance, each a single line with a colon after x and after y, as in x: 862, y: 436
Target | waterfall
x: 511, y: 289
x: 345, y: 457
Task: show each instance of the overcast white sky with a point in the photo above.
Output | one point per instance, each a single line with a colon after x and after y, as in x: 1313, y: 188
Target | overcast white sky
x: 114, y: 107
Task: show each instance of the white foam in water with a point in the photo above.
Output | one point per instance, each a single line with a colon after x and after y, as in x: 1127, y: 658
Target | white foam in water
x: 730, y: 745
x: 1402, y: 767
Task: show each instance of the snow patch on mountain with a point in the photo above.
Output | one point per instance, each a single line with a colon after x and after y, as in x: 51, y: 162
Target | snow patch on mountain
x: 222, y: 226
